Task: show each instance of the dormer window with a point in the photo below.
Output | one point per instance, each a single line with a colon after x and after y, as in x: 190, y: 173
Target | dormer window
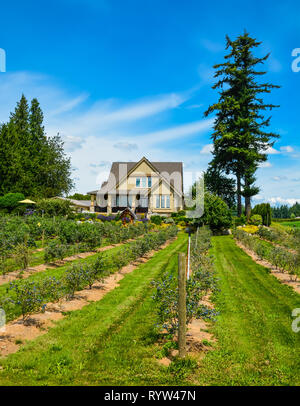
x: 143, y: 182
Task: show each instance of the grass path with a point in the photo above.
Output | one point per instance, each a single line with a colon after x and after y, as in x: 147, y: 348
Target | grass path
x: 108, y: 342
x: 113, y: 341
x: 256, y: 344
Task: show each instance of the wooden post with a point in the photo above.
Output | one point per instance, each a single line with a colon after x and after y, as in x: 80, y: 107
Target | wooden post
x: 182, y: 305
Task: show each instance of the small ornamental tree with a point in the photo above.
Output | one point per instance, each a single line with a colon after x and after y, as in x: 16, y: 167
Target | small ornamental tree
x: 216, y: 215
x: 264, y: 209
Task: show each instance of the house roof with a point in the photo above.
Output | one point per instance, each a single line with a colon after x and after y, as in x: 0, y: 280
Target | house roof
x: 80, y: 203
x: 116, y: 170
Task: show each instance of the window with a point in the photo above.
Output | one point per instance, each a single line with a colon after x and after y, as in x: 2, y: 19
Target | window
x: 162, y: 202
x: 123, y: 201
x: 167, y: 201
x: 143, y: 182
x: 144, y: 202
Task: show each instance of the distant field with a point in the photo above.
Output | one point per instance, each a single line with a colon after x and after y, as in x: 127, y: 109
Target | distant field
x: 291, y: 224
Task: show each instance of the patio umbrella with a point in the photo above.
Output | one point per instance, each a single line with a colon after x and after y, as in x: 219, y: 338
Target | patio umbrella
x: 27, y: 201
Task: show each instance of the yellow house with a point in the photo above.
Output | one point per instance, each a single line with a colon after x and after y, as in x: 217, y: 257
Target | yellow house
x: 144, y: 187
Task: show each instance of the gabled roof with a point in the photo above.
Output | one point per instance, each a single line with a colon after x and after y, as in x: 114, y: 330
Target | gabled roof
x: 158, y: 167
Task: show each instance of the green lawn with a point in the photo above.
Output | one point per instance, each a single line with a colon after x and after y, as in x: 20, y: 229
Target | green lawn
x: 291, y: 224
x: 256, y: 344
x: 113, y: 341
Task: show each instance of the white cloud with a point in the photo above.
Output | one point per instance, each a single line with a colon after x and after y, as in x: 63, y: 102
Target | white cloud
x: 72, y: 143
x: 279, y: 178
x: 281, y: 200
x: 177, y: 132
x: 287, y: 149
x: 68, y: 105
x: 207, y: 149
x: 272, y: 151
x: 265, y: 165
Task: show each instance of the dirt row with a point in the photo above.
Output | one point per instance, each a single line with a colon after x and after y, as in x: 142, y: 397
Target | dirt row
x: 17, y: 331
x: 282, y: 276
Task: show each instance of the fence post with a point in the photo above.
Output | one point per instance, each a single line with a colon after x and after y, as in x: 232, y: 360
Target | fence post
x: 182, y: 305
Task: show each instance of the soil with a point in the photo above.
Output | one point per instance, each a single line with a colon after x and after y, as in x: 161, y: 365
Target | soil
x: 18, y: 331
x: 282, y: 276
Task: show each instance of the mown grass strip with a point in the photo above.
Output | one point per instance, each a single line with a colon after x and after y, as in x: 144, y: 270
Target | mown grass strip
x: 256, y: 344
x: 114, y: 337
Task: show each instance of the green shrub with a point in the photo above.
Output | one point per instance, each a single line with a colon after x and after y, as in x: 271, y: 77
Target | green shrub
x: 54, y: 207
x: 216, y: 215
x: 264, y: 209
x: 27, y: 295
x: 55, y: 250
x: 256, y: 220
x: 10, y: 201
x: 156, y: 220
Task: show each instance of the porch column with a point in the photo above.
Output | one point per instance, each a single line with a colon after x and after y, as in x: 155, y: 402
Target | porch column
x: 109, y: 204
x: 92, y: 207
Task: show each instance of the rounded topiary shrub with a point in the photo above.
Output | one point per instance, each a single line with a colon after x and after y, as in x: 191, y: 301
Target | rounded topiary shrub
x: 256, y: 220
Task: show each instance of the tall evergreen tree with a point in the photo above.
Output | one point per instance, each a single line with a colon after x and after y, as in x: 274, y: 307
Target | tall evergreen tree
x: 30, y: 162
x: 240, y: 139
x: 219, y: 184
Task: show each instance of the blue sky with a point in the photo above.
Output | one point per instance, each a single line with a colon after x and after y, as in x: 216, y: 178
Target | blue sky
x: 122, y: 79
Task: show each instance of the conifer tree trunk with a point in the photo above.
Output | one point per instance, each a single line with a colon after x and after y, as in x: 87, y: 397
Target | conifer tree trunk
x: 247, y: 201
x: 239, y: 197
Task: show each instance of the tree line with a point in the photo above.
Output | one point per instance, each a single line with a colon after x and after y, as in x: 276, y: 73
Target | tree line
x: 31, y: 162
x: 286, y: 212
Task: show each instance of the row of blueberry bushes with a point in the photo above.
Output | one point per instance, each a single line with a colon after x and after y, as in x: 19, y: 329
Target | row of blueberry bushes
x: 201, y: 281
x: 279, y: 257
x: 26, y: 297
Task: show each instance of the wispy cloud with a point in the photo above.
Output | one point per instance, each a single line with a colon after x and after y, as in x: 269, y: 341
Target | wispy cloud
x: 125, y: 146
x: 183, y: 130
x: 287, y: 149
x: 212, y: 46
